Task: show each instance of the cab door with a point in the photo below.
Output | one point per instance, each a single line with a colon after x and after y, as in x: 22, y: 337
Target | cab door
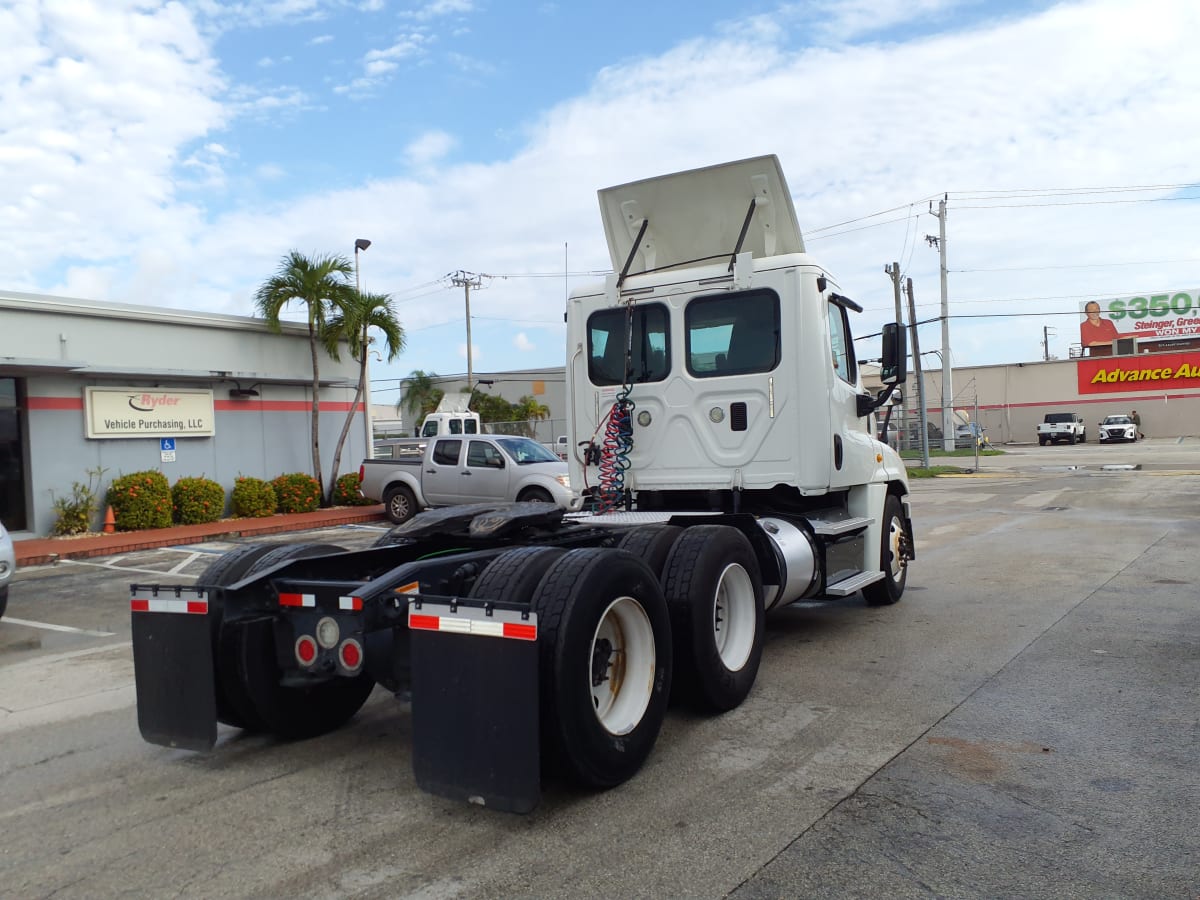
x: 486, y: 473
x: 441, y: 475
x: 853, y: 447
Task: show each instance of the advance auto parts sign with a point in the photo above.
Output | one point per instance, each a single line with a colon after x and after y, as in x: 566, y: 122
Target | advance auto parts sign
x: 148, y: 412
x: 1152, y: 372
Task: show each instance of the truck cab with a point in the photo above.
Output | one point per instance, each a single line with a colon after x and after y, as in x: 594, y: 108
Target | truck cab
x: 739, y: 368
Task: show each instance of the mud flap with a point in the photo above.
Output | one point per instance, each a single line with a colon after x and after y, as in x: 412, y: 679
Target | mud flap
x: 173, y: 667
x: 475, y: 702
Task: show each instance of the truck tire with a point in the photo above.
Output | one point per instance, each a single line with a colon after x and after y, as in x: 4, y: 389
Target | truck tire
x: 604, y: 656
x: 3, y: 600
x: 1041, y: 441
x: 651, y: 544
x: 399, y: 503
x: 513, y: 576
x: 535, y: 495
x: 891, y: 560
x: 251, y: 675
x: 225, y: 570
x: 713, y: 585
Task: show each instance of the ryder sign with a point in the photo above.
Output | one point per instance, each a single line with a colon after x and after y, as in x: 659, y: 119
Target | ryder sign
x: 148, y: 412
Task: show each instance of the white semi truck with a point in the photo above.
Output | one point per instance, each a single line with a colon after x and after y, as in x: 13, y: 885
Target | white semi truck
x: 719, y: 425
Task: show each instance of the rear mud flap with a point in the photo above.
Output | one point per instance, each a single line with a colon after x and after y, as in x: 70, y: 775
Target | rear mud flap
x: 475, y: 702
x: 173, y: 667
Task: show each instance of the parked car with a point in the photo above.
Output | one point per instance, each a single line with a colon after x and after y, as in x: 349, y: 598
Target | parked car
x: 477, y: 468
x: 1117, y: 428
x: 969, y: 434
x: 8, y: 566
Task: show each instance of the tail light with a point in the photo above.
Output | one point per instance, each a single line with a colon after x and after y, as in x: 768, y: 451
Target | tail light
x: 350, y: 654
x: 306, y: 650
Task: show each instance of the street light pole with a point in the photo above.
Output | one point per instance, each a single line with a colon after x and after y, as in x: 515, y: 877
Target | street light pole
x: 368, y: 429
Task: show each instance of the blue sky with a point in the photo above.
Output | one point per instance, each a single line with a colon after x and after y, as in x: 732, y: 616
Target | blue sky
x: 170, y: 153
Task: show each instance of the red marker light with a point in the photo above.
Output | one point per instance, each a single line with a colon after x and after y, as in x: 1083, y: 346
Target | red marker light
x: 306, y: 650
x: 351, y: 654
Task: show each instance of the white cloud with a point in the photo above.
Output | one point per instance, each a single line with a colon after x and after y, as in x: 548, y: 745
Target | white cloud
x: 320, y: 39
x: 523, y: 343
x: 429, y: 148
x: 378, y: 64
x: 440, y: 8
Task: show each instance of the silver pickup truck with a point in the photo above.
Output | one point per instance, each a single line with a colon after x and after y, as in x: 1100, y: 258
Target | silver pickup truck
x: 479, y: 468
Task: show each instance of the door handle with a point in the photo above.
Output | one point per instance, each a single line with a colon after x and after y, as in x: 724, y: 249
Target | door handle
x: 468, y: 472
x: 431, y: 471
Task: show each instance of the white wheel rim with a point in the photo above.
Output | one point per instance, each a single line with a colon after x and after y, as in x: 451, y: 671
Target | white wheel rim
x: 621, y: 667
x: 735, y: 617
x: 895, y: 531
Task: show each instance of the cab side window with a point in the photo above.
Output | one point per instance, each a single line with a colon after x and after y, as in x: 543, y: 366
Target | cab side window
x: 732, y: 334
x: 608, y: 341
x: 840, y: 345
x: 445, y: 453
x: 481, y: 454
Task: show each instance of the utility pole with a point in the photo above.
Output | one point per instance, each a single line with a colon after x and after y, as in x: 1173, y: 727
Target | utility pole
x: 467, y: 280
x: 947, y: 384
x: 916, y: 349
x: 1046, y: 329
x: 894, y: 271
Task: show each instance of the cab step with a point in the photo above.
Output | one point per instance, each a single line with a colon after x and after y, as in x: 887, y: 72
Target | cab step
x: 850, y: 582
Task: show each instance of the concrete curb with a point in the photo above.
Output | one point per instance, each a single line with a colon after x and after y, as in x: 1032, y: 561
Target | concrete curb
x: 43, y: 551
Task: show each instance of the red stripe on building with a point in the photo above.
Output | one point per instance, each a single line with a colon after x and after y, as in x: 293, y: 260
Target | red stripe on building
x: 55, y: 402
x: 329, y: 406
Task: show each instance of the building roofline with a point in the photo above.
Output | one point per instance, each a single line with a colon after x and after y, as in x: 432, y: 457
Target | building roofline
x: 18, y: 300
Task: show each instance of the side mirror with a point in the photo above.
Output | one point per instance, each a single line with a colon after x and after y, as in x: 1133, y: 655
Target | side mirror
x: 894, y: 364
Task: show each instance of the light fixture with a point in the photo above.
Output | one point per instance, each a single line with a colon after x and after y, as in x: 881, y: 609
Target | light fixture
x: 241, y: 392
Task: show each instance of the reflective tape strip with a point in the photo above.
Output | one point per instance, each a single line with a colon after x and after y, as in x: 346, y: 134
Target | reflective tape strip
x: 354, y: 604
x: 412, y: 587
x: 163, y: 605
x: 297, y: 599
x: 521, y: 631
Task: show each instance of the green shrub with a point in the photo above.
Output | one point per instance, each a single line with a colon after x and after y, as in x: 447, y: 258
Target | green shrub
x: 76, y: 511
x: 253, y: 497
x: 141, y: 500
x: 197, y: 500
x: 345, y: 492
x: 297, y: 493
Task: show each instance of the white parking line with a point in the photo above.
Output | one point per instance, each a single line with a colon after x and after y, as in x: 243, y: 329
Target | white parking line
x: 114, y: 566
x: 47, y: 626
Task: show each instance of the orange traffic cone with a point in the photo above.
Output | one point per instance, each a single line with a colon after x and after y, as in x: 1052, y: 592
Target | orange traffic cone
x: 110, y: 521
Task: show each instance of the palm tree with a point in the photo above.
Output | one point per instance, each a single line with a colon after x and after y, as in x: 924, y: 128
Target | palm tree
x: 317, y: 284
x: 356, y: 315
x: 422, y: 396
x: 528, y: 409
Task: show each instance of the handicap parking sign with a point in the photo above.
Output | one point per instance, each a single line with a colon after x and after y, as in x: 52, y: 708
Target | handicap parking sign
x: 166, y: 444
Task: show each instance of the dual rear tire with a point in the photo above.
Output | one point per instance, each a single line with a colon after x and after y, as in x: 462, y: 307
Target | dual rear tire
x: 617, y: 627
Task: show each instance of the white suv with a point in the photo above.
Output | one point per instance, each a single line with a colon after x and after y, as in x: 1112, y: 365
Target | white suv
x: 8, y: 566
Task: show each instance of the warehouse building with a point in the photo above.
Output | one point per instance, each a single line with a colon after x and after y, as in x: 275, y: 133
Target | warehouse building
x: 88, y: 386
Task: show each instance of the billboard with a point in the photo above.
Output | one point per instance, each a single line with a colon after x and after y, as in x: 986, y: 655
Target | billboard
x: 1172, y: 314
